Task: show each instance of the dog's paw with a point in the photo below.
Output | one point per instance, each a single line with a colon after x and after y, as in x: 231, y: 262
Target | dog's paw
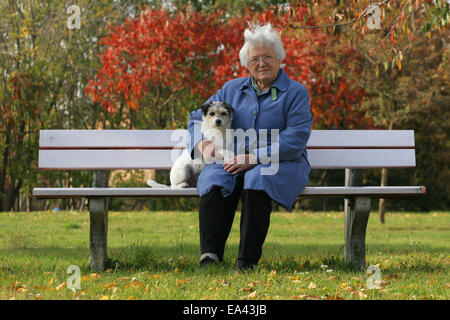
x: 182, y: 185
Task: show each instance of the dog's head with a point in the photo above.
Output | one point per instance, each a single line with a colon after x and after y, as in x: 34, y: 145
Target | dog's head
x: 217, y: 114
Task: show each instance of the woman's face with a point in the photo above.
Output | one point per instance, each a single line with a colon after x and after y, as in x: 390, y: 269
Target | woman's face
x: 263, y: 64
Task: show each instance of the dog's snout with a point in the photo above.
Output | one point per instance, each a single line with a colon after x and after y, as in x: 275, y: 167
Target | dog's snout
x: 218, y: 122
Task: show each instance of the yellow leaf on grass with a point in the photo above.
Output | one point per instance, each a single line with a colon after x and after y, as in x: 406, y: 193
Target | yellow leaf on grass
x: 110, y: 285
x: 183, y: 281
x: 61, y: 286
x: 104, y: 298
x: 312, y: 285
x: 136, y: 284
x: 251, y: 295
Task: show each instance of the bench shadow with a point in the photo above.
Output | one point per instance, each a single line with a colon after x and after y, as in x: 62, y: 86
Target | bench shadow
x: 280, y: 257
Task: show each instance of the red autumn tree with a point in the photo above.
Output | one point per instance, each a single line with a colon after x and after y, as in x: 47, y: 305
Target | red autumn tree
x: 150, y: 60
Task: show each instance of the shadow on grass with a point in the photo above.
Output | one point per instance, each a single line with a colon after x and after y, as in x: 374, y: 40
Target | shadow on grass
x: 283, y: 258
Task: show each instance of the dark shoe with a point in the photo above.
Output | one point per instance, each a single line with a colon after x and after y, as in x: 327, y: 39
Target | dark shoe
x: 206, y: 261
x: 242, y: 265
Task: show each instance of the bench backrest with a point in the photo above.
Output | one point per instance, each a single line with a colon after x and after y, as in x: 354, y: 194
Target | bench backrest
x: 158, y: 149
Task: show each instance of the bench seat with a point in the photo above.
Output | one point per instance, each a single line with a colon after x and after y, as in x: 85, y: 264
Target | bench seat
x: 366, y: 191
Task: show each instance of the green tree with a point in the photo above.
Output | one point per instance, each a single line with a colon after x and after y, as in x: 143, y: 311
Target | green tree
x: 44, y: 64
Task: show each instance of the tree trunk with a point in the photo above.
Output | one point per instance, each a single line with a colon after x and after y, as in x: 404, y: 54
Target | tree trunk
x: 384, y: 181
x: 381, y: 206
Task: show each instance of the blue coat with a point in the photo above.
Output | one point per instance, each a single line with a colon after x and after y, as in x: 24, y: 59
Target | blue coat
x: 288, y: 111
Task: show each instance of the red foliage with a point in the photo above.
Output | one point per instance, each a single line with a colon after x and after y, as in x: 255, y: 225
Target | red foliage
x: 201, y: 52
x: 156, y: 49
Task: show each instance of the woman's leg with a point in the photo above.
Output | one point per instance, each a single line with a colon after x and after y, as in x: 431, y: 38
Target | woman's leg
x: 255, y: 220
x: 216, y: 215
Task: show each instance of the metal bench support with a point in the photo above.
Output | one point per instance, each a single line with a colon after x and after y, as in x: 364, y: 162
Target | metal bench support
x: 98, y: 210
x: 357, y: 210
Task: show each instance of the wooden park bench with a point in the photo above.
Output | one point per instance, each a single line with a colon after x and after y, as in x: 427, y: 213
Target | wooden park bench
x: 105, y: 150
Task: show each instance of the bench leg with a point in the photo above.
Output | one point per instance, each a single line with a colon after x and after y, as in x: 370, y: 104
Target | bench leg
x: 357, y: 212
x: 98, y: 210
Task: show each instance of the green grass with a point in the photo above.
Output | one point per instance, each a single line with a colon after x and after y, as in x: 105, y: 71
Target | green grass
x: 154, y: 255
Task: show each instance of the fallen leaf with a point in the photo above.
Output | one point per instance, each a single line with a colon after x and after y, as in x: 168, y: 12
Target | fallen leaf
x: 61, y: 286
x: 251, y: 295
x: 182, y: 281
x: 44, y: 288
x: 104, y: 298
x: 123, y: 279
x: 110, y: 285
x: 136, y: 284
x: 272, y: 273
x: 312, y: 285
x: 16, y: 286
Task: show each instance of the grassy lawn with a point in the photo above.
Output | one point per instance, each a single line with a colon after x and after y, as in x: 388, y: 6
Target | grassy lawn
x: 154, y: 255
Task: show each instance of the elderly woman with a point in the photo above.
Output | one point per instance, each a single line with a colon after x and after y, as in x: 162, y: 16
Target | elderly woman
x: 267, y: 99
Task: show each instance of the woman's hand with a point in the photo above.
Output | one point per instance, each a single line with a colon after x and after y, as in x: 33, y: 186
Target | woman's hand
x: 240, y: 163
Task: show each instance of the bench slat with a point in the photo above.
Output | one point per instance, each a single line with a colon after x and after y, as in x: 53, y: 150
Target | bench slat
x: 163, y: 159
x: 361, y: 139
x: 85, y: 139
x: 107, y: 159
x: 149, y: 139
x: 379, y: 192
x: 361, y: 158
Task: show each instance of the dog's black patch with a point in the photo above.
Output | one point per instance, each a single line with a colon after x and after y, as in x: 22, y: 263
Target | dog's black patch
x: 206, y: 106
x: 229, y: 107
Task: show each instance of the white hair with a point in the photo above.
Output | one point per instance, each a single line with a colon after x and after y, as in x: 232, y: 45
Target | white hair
x: 261, y: 36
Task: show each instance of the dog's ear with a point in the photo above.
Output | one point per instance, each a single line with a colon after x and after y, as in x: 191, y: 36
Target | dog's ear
x: 205, y: 108
x: 229, y: 107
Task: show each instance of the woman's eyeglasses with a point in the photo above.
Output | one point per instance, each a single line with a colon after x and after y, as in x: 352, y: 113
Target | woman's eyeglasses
x: 256, y: 60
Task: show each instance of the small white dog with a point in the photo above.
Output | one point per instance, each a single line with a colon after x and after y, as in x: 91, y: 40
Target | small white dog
x: 217, y: 117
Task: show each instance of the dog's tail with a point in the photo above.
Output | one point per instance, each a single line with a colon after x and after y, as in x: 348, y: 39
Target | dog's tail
x: 154, y: 184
